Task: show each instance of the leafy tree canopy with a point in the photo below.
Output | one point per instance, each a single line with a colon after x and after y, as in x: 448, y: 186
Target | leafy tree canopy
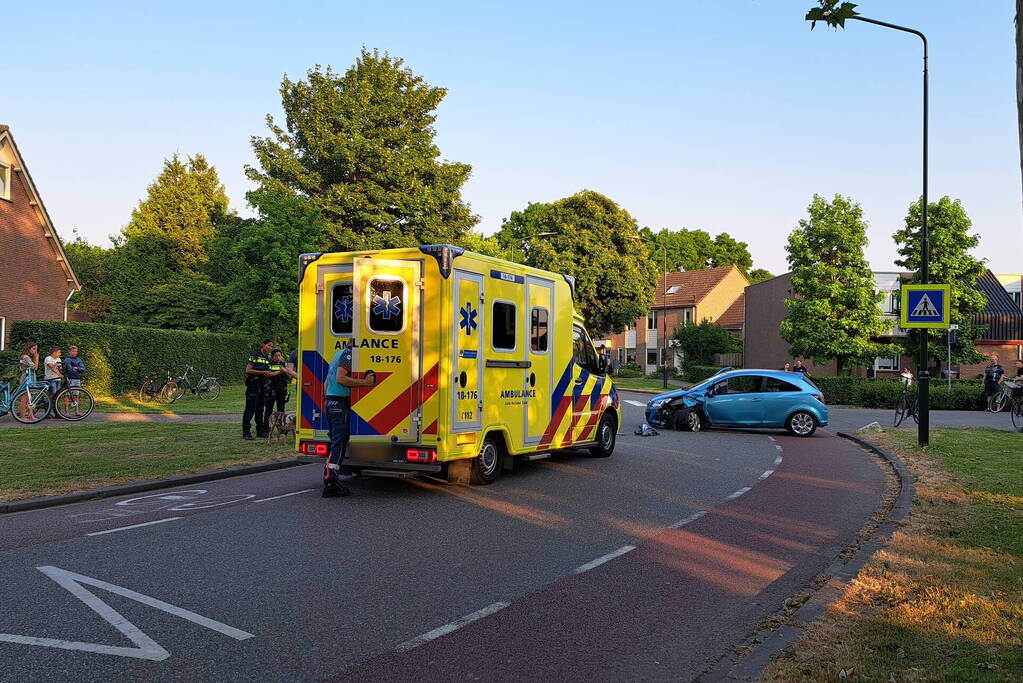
x: 758, y: 275
x: 698, y: 342
x: 951, y: 263
x: 591, y: 238
x: 696, y: 250
x: 835, y: 312
x: 360, y: 146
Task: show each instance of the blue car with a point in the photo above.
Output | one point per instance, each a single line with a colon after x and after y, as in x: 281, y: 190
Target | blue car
x: 743, y: 398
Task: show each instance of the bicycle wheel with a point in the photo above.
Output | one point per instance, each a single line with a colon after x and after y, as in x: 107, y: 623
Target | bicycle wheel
x: 913, y: 410
x: 208, y: 389
x: 900, y: 410
x: 147, y: 392
x: 37, y: 407
x: 998, y: 402
x: 74, y: 404
x: 1017, y: 414
x: 169, y: 392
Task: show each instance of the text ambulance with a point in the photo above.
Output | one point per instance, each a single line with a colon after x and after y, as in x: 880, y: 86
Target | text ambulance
x: 478, y: 361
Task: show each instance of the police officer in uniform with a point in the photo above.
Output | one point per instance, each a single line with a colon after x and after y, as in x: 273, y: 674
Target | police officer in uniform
x: 277, y: 386
x: 257, y: 374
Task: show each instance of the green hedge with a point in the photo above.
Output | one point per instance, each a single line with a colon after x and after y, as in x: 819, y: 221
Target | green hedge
x: 629, y: 373
x: 117, y: 357
x: 698, y: 373
x: 883, y: 393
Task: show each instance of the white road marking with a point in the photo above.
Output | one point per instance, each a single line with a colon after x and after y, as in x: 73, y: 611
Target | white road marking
x: 635, y: 403
x: 766, y: 474
x: 145, y: 647
x: 771, y: 438
x: 691, y: 518
x: 133, y: 526
x: 777, y: 461
x: 452, y: 626
x: 739, y: 492
x: 601, y: 560
x: 284, y: 495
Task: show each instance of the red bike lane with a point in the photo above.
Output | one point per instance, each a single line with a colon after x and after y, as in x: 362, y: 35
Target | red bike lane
x: 680, y: 600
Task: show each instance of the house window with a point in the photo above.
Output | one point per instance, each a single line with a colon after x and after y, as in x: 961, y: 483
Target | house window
x: 538, y: 330
x: 387, y: 305
x: 651, y: 357
x: 630, y: 356
x: 503, y: 336
x: 674, y: 289
x: 886, y: 364
x: 687, y: 315
x: 651, y: 320
x: 894, y: 302
x: 341, y: 310
x: 5, y: 181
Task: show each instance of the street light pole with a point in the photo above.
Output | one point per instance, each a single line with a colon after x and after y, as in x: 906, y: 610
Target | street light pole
x: 663, y: 331
x: 923, y: 374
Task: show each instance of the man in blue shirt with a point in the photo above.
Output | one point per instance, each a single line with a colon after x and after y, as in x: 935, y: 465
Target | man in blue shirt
x: 74, y: 368
x: 339, y: 405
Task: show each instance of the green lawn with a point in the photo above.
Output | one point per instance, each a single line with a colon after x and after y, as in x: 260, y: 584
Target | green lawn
x: 53, y: 460
x: 943, y: 601
x: 230, y: 401
x: 642, y: 383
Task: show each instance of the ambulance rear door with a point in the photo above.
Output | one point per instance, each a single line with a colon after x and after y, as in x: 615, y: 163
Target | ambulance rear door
x: 387, y: 338
x: 334, y: 297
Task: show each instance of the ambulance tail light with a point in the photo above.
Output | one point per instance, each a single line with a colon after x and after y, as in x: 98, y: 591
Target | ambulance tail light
x: 421, y: 455
x: 313, y: 448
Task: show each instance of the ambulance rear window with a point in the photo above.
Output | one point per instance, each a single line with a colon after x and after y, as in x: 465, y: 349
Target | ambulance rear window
x: 386, y: 305
x: 538, y: 330
x: 503, y: 337
x: 341, y: 309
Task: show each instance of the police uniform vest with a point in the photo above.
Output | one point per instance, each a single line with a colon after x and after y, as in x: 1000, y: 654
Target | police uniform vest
x: 281, y: 381
x: 259, y: 362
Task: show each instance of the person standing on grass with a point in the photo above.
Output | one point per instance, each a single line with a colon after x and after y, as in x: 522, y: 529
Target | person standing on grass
x: 28, y: 363
x: 257, y: 372
x: 53, y: 373
x: 339, y: 404
x: 74, y: 368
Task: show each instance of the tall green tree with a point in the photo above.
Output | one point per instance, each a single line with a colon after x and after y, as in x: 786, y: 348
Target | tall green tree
x: 835, y: 312
x: 759, y: 275
x: 951, y: 263
x: 597, y: 242
x: 696, y: 249
x: 92, y: 266
x: 360, y: 147
x: 698, y: 342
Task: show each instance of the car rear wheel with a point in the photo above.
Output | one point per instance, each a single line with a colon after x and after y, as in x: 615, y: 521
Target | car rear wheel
x: 691, y: 420
x: 801, y: 423
x: 607, y: 432
x: 486, y: 466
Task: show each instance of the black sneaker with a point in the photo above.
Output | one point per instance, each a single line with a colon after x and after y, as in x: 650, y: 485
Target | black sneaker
x: 248, y: 437
x: 333, y: 490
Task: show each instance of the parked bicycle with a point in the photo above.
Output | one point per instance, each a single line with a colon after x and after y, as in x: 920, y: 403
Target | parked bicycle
x: 155, y: 389
x: 996, y: 402
x: 906, y: 405
x: 73, y: 403
x: 29, y: 402
x: 207, y: 388
x: 1015, y: 388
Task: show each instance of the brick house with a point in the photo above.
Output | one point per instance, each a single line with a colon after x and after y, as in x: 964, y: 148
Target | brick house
x: 714, y: 294
x: 765, y: 309
x: 38, y: 280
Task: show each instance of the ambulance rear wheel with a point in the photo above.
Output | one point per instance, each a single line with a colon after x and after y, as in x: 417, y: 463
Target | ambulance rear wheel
x: 607, y: 432
x: 486, y: 466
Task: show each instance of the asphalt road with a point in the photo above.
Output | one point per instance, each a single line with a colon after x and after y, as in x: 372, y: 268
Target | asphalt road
x: 647, y: 565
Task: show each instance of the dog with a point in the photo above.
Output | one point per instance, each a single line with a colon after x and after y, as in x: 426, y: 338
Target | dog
x: 282, y: 424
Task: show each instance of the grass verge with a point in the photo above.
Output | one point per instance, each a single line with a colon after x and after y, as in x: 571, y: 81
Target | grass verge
x: 51, y: 461
x: 643, y: 383
x: 230, y: 401
x: 944, y: 599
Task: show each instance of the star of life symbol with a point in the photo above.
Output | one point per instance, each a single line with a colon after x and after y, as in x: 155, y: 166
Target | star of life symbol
x: 386, y: 306
x: 343, y: 309
x: 468, y: 321
x: 925, y: 309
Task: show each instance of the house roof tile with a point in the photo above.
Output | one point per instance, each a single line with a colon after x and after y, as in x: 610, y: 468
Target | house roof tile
x: 693, y: 285
x: 736, y: 313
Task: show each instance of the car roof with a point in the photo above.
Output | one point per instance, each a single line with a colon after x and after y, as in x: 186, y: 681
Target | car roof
x: 777, y: 374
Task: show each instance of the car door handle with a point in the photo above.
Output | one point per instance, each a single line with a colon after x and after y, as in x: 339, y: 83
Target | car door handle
x: 755, y: 399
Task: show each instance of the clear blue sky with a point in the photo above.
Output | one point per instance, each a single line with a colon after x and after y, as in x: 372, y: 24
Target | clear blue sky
x: 725, y: 116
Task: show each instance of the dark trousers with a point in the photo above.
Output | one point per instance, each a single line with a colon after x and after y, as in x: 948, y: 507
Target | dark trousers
x: 255, y: 396
x: 338, y: 410
x: 276, y: 398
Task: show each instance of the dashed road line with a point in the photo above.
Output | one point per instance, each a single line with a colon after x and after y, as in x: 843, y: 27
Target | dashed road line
x: 601, y: 560
x: 766, y: 474
x: 738, y: 493
x: 133, y: 526
x: 635, y: 403
x: 777, y: 461
x: 283, y: 495
x: 691, y: 518
x: 452, y: 626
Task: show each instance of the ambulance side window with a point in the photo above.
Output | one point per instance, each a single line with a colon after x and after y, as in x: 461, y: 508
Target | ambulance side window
x: 386, y: 305
x: 538, y: 330
x: 503, y: 325
x: 582, y: 351
x: 341, y: 309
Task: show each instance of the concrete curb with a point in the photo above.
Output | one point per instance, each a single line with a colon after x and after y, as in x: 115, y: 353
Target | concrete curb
x: 152, y: 485
x: 752, y: 666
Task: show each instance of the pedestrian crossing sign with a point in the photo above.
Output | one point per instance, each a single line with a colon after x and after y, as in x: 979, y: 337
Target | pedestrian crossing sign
x: 925, y: 306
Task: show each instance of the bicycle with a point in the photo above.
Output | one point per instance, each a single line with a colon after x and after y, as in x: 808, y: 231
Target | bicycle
x: 996, y: 402
x: 163, y: 392
x: 36, y: 395
x: 1016, y: 404
x: 207, y: 388
x: 906, y: 405
x: 78, y: 399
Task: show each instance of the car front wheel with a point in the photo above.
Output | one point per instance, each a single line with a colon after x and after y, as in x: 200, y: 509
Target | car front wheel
x: 691, y: 420
x: 801, y: 423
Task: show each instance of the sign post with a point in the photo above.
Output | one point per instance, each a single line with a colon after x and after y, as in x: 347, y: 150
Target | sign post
x: 925, y: 307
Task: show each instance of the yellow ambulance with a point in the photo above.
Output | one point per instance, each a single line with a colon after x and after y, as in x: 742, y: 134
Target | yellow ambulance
x: 478, y: 362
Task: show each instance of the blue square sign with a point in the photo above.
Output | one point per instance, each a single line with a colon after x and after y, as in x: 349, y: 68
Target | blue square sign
x: 925, y: 306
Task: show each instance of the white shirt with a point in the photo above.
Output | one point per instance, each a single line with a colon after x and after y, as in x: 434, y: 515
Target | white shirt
x: 52, y: 368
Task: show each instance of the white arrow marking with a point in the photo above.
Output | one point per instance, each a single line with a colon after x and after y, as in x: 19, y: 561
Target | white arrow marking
x: 145, y: 647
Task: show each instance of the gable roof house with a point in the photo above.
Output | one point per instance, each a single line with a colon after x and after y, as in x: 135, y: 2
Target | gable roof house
x: 38, y: 279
